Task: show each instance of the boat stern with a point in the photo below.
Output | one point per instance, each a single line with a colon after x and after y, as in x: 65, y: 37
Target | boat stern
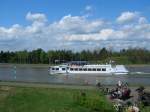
x: 120, y: 70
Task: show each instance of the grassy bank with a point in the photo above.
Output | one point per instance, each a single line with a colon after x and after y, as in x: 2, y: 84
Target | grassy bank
x: 54, y: 98
x: 21, y: 99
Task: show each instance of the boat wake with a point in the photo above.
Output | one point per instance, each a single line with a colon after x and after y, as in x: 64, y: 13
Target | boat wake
x: 139, y: 73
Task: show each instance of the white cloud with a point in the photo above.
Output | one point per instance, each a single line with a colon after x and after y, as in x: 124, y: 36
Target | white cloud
x: 142, y: 20
x: 127, y: 17
x: 78, y: 24
x: 39, y: 17
x: 88, y: 11
x: 104, y: 34
x: 75, y: 32
x: 88, y: 8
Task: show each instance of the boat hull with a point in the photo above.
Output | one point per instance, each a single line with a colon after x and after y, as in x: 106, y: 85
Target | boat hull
x: 89, y: 70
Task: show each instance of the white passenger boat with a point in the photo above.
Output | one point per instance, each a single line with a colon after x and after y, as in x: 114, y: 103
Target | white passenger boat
x: 105, y: 69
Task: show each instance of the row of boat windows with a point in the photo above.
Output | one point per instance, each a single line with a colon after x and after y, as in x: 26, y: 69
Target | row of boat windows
x: 82, y: 69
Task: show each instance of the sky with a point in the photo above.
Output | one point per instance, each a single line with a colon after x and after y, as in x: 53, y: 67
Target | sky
x: 74, y: 24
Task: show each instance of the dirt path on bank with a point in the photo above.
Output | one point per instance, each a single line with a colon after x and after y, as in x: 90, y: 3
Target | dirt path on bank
x: 50, y: 85
x: 46, y: 85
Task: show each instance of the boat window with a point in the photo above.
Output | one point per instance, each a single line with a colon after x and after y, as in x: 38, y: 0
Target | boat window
x: 85, y: 69
x: 63, y: 69
x: 94, y: 69
x: 57, y: 68
x: 89, y: 69
x: 76, y: 69
x: 53, y: 68
x: 80, y: 69
x: 98, y: 69
x: 103, y: 69
x: 71, y: 69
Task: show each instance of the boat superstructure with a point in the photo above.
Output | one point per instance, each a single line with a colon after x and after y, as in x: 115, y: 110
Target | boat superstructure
x: 89, y: 69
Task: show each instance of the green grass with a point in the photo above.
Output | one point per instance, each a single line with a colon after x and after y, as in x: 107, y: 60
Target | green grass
x: 146, y: 109
x: 18, y: 99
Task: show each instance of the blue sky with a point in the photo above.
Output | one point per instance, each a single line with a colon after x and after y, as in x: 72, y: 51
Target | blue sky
x: 74, y: 24
x: 14, y: 11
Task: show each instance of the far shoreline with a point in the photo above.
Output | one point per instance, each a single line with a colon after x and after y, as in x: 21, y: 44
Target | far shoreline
x: 47, y: 65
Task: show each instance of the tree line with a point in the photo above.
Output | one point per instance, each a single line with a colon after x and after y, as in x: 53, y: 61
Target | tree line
x: 39, y: 56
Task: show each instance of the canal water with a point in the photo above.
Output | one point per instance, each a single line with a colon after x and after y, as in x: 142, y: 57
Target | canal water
x: 139, y: 76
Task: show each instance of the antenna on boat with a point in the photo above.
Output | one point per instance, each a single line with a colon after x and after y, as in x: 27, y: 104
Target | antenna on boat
x: 110, y: 49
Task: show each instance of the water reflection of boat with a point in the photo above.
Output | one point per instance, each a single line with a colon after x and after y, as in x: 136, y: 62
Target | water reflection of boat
x: 106, y: 69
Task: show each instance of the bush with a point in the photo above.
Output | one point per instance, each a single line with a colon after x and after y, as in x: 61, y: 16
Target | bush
x: 96, y: 103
